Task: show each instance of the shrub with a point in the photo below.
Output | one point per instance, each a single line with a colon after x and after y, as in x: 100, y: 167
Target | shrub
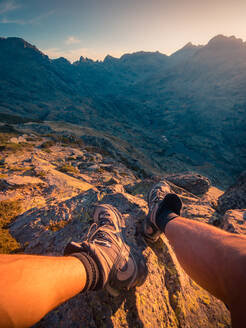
x: 41, y: 174
x: 11, y: 146
x: 47, y: 144
x: 67, y: 168
x: 7, y: 145
x: 19, y: 168
x: 8, y: 211
x: 48, y: 151
x: 8, y: 244
x: 56, y: 226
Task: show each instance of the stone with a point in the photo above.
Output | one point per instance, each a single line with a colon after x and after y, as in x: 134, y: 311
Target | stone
x: 93, y: 167
x: 194, y: 183
x: 234, y: 221
x: 235, y: 196
x: 17, y: 180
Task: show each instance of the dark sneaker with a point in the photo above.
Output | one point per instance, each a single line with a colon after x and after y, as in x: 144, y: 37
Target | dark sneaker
x: 159, y: 199
x: 105, y: 243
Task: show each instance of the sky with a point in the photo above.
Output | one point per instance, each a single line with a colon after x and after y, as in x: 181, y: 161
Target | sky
x: 95, y: 28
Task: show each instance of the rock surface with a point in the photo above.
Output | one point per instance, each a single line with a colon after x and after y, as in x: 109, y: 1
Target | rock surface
x: 16, y: 181
x: 235, y: 196
x: 234, y: 221
x: 60, y: 210
x: 195, y: 183
x: 168, y: 292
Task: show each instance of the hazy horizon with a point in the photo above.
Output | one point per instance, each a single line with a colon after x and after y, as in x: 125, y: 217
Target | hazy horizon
x: 96, y: 28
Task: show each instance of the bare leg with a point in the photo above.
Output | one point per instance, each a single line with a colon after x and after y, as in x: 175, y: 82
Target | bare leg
x: 215, y: 259
x: 31, y: 286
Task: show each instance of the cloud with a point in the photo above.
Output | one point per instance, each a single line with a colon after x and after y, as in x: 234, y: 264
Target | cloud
x: 34, y: 20
x: 12, y: 21
x: 8, y: 6
x: 72, y: 40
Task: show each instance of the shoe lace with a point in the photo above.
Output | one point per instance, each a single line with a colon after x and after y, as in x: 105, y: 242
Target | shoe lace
x: 97, y: 233
x: 157, y: 195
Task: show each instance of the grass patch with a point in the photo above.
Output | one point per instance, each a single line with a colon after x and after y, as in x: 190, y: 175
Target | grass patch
x: 65, y: 141
x: 47, y: 144
x: 66, y: 168
x: 48, y: 151
x: 15, y: 119
x: 7, y: 145
x: 56, y: 226
x: 95, y: 149
x: 17, y: 168
x: 8, y: 211
x: 41, y: 174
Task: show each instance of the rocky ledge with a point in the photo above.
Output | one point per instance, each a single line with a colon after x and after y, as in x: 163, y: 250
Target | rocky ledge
x: 58, y: 187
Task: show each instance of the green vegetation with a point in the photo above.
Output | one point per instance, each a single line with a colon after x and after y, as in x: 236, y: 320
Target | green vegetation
x: 41, y: 174
x: 67, y: 168
x: 72, y: 141
x: 7, y: 145
x: 19, y: 168
x: 47, y: 144
x: 15, y: 119
x: 8, y: 211
x: 11, y: 146
x: 8, y: 129
x: 95, y: 149
x: 56, y: 226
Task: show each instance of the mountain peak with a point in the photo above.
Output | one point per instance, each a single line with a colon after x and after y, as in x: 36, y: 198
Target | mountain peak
x: 187, y: 51
x: 20, y: 46
x: 110, y: 59
x: 222, y: 40
x: 83, y: 60
x: 189, y: 45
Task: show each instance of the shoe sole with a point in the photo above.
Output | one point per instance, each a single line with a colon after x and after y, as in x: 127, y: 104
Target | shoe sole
x: 147, y: 239
x: 140, y: 263
x: 147, y: 219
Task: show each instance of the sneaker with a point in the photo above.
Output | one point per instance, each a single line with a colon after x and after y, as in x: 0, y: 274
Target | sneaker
x: 159, y: 199
x: 121, y: 268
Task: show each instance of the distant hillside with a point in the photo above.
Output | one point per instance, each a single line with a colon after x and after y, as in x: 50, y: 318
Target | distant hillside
x: 186, y: 111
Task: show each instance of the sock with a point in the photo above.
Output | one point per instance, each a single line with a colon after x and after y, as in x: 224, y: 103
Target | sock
x: 168, y: 210
x: 92, y: 271
x: 163, y: 218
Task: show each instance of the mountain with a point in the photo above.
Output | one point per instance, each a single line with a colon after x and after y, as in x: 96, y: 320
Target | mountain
x: 184, y: 53
x: 183, y: 112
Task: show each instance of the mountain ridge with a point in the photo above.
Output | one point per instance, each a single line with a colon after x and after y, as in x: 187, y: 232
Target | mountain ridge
x: 219, y: 39
x: 141, y: 98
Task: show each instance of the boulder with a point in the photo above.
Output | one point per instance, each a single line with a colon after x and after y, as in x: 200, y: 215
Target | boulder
x: 235, y: 196
x: 234, y: 221
x: 19, y: 181
x: 194, y: 183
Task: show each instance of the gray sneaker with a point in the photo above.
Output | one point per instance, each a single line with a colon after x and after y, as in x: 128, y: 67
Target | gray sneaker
x: 106, y: 244
x: 159, y: 198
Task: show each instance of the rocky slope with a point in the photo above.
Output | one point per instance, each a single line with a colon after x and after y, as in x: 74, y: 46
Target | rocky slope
x: 184, y: 112
x: 57, y: 183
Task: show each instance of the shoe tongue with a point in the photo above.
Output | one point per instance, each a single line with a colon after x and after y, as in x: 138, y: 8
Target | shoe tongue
x: 104, y: 221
